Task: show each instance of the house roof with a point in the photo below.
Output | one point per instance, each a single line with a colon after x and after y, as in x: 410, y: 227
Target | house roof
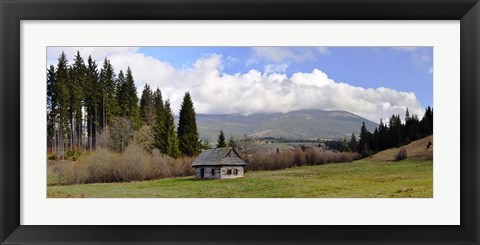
x: 219, y: 157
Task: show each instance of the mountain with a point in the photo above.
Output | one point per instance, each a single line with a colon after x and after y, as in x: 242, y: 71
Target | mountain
x: 296, y: 124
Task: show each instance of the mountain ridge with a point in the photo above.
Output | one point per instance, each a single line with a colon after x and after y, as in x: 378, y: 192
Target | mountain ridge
x: 300, y: 124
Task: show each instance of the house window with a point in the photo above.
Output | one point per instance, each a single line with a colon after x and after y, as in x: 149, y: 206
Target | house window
x: 235, y: 171
x: 213, y: 172
x: 229, y: 171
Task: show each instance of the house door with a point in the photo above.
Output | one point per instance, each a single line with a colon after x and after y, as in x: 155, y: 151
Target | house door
x: 202, y: 173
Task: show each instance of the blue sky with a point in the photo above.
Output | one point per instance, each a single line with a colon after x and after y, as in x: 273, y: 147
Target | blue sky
x: 373, y: 82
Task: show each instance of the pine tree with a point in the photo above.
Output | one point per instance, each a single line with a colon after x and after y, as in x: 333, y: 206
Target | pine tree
x: 221, y: 140
x: 159, y: 119
x: 383, y: 136
x: 426, y: 124
x: 76, y: 85
x: 52, y: 104
x: 147, y: 107
x: 121, y: 94
x: 412, y: 127
x: 168, y: 143
x: 363, y: 143
x: 92, y: 99
x: 131, y: 99
x: 108, y: 107
x: 375, y: 140
x: 158, y: 104
x: 187, y: 128
x: 353, y: 143
x: 395, y: 131
x: 61, y: 89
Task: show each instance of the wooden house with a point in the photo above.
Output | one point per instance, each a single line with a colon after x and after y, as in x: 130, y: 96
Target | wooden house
x: 219, y: 163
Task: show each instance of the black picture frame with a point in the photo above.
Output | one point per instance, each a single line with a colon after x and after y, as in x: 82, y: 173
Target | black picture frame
x: 13, y: 11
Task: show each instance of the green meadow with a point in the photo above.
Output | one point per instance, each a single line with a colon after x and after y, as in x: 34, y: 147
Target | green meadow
x: 365, y: 178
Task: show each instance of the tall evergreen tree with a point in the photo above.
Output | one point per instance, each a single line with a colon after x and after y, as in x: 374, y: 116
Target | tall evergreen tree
x: 108, y: 107
x: 159, y: 119
x: 375, y: 145
x: 147, y: 106
x: 62, y: 94
x: 395, y: 131
x: 221, y: 140
x: 52, y: 104
x: 187, y: 128
x: 158, y: 104
x: 382, y: 136
x: 130, y: 99
x: 76, y: 85
x: 121, y: 94
x: 412, y: 127
x: 426, y: 124
x: 92, y: 99
x: 363, y: 143
x: 167, y: 137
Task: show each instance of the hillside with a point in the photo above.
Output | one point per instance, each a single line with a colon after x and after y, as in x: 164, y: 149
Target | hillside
x: 296, y: 124
x: 415, y: 150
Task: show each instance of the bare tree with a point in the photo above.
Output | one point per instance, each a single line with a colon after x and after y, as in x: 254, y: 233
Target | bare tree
x: 121, y: 133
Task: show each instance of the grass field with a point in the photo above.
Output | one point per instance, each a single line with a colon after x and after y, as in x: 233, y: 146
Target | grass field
x: 364, y: 178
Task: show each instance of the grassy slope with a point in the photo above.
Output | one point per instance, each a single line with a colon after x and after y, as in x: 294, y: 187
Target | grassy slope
x: 416, y: 150
x: 364, y: 178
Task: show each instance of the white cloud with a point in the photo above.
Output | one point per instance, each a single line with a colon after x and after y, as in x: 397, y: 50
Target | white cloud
x: 271, y: 91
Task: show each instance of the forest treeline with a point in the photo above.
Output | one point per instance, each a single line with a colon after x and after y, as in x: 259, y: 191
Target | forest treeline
x: 90, y: 107
x: 394, y: 134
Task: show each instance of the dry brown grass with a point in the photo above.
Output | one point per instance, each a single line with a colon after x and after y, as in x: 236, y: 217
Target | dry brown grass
x: 104, y: 166
x: 416, y: 150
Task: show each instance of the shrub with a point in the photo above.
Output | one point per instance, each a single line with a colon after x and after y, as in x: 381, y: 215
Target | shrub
x: 159, y: 165
x: 299, y: 158
x: 133, y: 165
x: 75, y: 172
x: 314, y: 157
x: 101, y: 165
x: 402, y: 154
x: 290, y: 158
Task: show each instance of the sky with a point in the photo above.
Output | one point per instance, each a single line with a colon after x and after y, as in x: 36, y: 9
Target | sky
x: 372, y: 82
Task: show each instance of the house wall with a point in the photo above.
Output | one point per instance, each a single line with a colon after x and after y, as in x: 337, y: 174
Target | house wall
x: 228, y: 172
x: 208, y: 172
x: 225, y: 172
